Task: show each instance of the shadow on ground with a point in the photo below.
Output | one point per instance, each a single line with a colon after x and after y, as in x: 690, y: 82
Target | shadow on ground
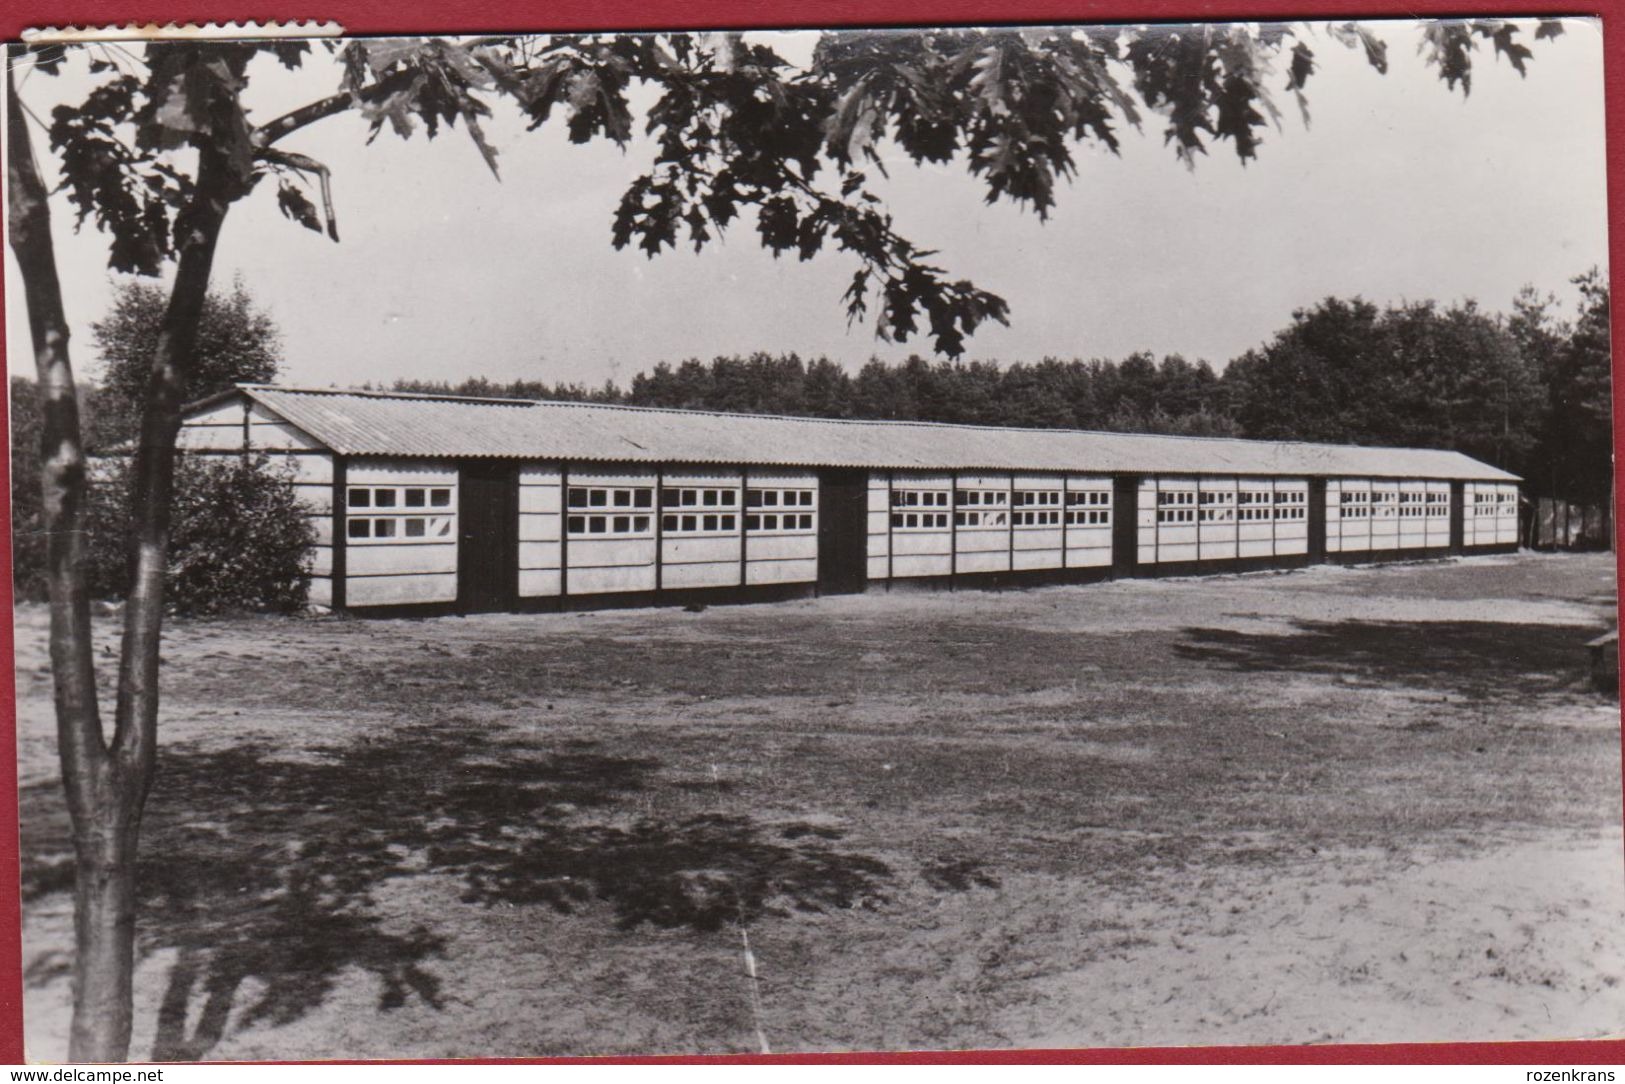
x: 1477, y: 659
x: 264, y: 871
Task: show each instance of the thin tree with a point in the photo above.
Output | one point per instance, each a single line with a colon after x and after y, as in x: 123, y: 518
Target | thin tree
x: 163, y: 146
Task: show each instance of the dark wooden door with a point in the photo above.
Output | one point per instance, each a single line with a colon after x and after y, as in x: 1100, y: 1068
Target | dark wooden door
x: 488, y: 538
x: 1458, y: 517
x: 1317, y: 521
x: 1125, y: 525
x: 843, y: 532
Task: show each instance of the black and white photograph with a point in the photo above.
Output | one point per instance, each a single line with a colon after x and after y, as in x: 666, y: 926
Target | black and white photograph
x: 951, y: 538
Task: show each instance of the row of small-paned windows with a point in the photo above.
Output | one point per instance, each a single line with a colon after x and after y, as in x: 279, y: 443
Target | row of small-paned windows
x: 1256, y: 514
x: 607, y: 497
x: 1077, y: 517
x: 1255, y: 496
x: 920, y: 498
x: 390, y: 528
x: 710, y: 497
x: 1176, y: 515
x: 611, y: 524
x: 778, y: 498
x: 1170, y: 497
x: 919, y: 521
x: 1030, y: 497
x: 699, y: 523
x: 399, y: 497
x: 779, y: 521
x: 1222, y: 496
x: 1218, y: 515
x: 1099, y: 498
x: 687, y: 523
x: 970, y: 498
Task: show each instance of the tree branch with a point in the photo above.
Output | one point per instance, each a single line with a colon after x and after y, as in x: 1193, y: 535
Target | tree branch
x: 290, y: 122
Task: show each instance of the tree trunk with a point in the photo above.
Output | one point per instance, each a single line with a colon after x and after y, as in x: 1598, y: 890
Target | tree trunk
x: 103, y: 919
x: 135, y: 726
x: 106, y: 784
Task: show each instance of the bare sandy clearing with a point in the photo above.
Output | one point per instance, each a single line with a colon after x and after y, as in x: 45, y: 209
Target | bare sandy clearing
x: 1338, y: 805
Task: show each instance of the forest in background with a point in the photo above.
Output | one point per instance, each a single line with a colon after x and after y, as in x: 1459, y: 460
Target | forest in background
x: 1528, y: 390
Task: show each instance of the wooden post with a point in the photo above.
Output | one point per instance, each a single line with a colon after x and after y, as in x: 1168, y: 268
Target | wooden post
x: 1010, y: 523
x: 744, y: 537
x: 891, y: 483
x: 564, y: 533
x: 341, y: 473
x: 660, y: 530
x: 1066, y: 514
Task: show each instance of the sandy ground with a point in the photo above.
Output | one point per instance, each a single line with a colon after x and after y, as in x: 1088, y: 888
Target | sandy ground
x: 1339, y: 805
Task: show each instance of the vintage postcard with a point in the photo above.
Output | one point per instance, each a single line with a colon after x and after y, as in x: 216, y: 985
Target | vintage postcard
x: 827, y: 540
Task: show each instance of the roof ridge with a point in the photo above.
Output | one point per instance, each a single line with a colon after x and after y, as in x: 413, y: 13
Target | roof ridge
x: 373, y: 393
x: 814, y: 419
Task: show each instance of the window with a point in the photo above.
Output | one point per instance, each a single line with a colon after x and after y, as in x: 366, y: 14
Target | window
x: 1088, y: 517
x: 598, y: 511
x: 920, y: 521
x: 1098, y: 498
x: 1176, y: 506
x: 980, y: 519
x: 982, y: 498
x: 609, y: 497
x: 1216, y: 506
x: 777, y: 522
x: 418, y: 528
x: 1039, y: 518
x: 1291, y: 504
x: 920, y: 498
x: 1028, y: 498
x: 588, y: 526
x: 699, y: 497
x: 777, y: 499
x: 690, y: 523
x: 374, y: 514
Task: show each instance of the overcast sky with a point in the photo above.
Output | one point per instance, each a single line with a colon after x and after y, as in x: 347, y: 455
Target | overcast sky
x: 1399, y: 190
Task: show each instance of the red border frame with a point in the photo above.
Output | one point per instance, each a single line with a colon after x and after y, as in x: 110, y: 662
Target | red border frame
x: 389, y: 16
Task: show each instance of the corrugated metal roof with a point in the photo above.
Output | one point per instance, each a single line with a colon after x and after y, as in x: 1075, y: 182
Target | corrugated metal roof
x: 395, y: 424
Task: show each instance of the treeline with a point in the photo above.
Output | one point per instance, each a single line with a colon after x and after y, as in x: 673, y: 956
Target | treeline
x: 1528, y: 391
x: 1139, y: 394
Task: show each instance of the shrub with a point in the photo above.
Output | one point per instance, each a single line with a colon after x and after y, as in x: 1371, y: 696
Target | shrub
x: 240, y: 540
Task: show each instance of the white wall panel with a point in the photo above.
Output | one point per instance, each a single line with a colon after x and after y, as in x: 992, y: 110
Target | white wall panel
x: 538, y: 582
x: 399, y: 590
x: 608, y: 579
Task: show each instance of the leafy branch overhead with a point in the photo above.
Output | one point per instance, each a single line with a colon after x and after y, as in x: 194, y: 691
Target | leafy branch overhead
x: 734, y: 127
